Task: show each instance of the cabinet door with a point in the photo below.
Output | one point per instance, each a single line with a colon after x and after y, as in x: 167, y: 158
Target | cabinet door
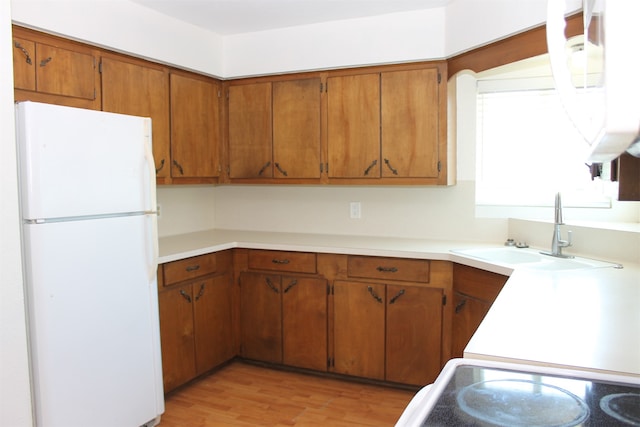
x: 24, y: 70
x: 212, y: 322
x: 467, y: 316
x: 353, y: 123
x: 414, y: 334
x: 296, y: 128
x: 410, y: 129
x: 359, y: 329
x: 65, y: 72
x: 176, y: 336
x: 195, y: 124
x: 129, y: 88
x: 304, y: 322
x: 250, y: 127
x: 261, y: 317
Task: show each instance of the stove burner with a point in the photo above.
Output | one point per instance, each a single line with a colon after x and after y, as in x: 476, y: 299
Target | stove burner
x: 623, y: 407
x: 515, y: 402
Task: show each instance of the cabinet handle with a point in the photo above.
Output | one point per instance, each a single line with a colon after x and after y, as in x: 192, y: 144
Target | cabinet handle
x: 291, y: 285
x: 161, y: 166
x: 185, y: 295
x: 200, y: 292
x: 367, y: 170
x: 280, y: 261
x: 266, y: 165
x: 398, y: 295
x: 271, y: 285
x: 45, y: 61
x: 176, y: 164
x: 191, y: 268
x: 282, y: 171
x: 460, y: 305
x: 374, y: 295
x: 24, y: 51
x: 388, y: 163
x: 386, y: 269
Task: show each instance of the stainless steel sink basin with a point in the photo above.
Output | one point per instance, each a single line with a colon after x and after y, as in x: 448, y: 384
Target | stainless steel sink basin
x: 532, y: 259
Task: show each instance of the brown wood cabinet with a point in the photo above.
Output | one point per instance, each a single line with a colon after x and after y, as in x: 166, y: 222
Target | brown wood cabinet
x: 274, y: 129
x: 474, y: 292
x: 54, y: 70
x: 388, y: 318
x: 283, y: 316
x: 387, y: 125
x: 196, y: 303
x: 140, y: 88
x: 195, y: 128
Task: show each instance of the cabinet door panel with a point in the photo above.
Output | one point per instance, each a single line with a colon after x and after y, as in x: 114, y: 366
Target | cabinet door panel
x: 24, y: 70
x: 65, y: 72
x: 261, y: 317
x: 359, y: 328
x: 468, y: 315
x: 296, y: 128
x: 304, y: 322
x: 212, y: 319
x: 414, y: 334
x: 353, y: 122
x: 140, y: 91
x: 195, y: 123
x: 250, y: 127
x: 410, y: 123
x: 176, y: 336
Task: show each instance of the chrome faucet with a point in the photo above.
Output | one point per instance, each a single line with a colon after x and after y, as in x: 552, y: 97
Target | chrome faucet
x: 557, y: 243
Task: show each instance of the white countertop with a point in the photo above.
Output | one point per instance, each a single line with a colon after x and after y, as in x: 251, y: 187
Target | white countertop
x: 581, y: 319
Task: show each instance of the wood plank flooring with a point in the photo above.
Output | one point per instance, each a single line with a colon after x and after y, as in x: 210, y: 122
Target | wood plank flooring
x: 241, y: 394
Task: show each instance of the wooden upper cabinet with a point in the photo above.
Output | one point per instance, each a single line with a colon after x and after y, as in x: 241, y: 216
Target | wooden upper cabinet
x: 140, y: 90
x: 195, y: 125
x: 274, y: 129
x: 296, y: 128
x: 353, y: 126
x: 410, y: 123
x: 250, y: 128
x: 54, y: 70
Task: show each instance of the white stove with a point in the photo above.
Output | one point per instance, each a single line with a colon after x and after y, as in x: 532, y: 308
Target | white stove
x: 471, y: 392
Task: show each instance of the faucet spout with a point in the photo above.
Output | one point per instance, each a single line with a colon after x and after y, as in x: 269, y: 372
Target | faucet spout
x: 557, y: 243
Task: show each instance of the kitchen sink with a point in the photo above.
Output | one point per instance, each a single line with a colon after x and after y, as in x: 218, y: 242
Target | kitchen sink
x: 532, y: 259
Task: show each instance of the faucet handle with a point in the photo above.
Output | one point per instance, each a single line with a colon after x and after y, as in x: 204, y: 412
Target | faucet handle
x: 569, y: 234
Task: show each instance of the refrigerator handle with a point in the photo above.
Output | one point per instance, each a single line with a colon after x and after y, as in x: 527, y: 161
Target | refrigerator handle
x: 151, y: 167
x: 152, y: 254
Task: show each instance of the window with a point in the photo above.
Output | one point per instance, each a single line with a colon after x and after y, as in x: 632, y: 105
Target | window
x: 528, y: 150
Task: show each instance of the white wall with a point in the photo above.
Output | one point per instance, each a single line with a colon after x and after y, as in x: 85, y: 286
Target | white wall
x: 15, y: 400
x: 397, y: 37
x: 407, y: 36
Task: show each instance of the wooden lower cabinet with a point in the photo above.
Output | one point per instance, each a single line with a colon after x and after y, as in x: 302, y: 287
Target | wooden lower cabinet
x: 413, y: 334
x: 387, y: 332
x: 196, y: 316
x: 359, y: 332
x: 284, y: 319
x: 474, y: 292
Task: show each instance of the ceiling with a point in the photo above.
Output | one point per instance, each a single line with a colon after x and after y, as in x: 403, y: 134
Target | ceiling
x: 227, y: 17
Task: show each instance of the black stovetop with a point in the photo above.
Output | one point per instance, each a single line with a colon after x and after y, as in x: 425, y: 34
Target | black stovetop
x: 480, y: 396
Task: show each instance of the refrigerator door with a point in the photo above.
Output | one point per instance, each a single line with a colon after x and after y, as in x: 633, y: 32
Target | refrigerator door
x: 93, y: 317
x: 76, y: 162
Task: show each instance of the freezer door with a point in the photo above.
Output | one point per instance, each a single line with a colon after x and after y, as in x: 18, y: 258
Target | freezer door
x: 75, y: 162
x: 93, y: 323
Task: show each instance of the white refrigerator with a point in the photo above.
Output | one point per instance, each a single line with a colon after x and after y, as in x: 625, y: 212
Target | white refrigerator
x: 89, y: 233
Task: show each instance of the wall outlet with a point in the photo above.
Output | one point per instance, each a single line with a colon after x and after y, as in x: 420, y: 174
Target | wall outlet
x: 355, y: 210
x: 158, y: 210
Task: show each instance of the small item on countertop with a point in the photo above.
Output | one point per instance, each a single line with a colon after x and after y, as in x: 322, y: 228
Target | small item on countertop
x: 510, y: 242
x: 522, y: 245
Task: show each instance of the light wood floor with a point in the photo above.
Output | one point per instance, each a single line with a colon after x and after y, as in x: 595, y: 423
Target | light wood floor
x: 246, y: 395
